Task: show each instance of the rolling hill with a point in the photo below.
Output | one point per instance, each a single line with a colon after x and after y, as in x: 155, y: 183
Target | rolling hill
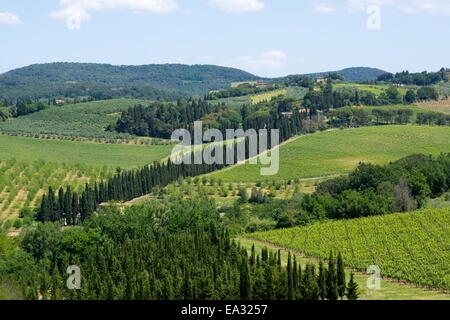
x: 355, y: 74
x: 167, y: 81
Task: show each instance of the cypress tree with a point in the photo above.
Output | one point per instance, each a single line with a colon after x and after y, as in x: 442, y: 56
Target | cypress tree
x: 244, y: 283
x: 332, y: 293
x: 252, y: 256
x: 295, y: 278
x: 352, y: 289
x: 341, y: 277
x: 322, y: 281
x: 289, y: 278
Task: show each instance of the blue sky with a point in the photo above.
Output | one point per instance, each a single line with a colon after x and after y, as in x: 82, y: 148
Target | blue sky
x: 265, y: 37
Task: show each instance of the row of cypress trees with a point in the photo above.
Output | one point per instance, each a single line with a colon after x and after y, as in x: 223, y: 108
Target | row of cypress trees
x: 72, y: 208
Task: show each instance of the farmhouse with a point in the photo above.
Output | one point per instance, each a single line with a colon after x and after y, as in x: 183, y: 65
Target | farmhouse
x: 287, y: 114
x: 260, y: 84
x: 58, y: 101
x: 321, y: 80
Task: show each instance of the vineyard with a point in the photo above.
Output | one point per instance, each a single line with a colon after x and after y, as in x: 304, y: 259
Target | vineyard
x: 87, y: 120
x: 22, y: 183
x: 411, y: 247
x: 267, y: 96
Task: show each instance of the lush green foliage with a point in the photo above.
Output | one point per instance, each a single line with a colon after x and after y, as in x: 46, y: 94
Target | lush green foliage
x: 401, y: 186
x: 161, y: 120
x: 130, y: 255
x: 407, y: 246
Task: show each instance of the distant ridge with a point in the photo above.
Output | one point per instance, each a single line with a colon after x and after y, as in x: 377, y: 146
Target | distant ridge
x: 354, y: 74
x: 149, y: 81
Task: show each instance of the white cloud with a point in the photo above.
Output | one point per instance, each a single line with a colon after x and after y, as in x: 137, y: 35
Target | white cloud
x: 75, y: 11
x: 9, y: 18
x: 362, y: 5
x: 432, y: 7
x: 237, y: 6
x: 266, y: 63
x: 324, y: 8
x: 274, y: 55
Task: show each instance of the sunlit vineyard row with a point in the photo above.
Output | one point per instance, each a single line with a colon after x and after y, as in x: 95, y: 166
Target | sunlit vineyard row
x: 412, y: 247
x: 22, y: 183
x: 267, y: 96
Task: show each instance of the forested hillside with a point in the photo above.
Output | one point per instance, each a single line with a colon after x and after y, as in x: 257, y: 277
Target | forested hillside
x: 353, y: 74
x: 167, y: 81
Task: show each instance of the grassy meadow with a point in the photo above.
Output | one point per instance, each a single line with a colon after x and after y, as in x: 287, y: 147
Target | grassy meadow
x: 340, y: 151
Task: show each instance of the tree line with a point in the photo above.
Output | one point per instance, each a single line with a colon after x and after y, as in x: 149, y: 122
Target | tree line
x: 420, y: 78
x: 400, y: 186
x: 350, y: 117
x: 326, y: 98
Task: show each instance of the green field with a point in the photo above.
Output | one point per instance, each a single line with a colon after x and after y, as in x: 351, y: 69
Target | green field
x: 376, y: 89
x: 234, y: 102
x: 297, y: 93
x: 87, y: 120
x: 407, y: 246
x: 73, y: 152
x: 340, y: 151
